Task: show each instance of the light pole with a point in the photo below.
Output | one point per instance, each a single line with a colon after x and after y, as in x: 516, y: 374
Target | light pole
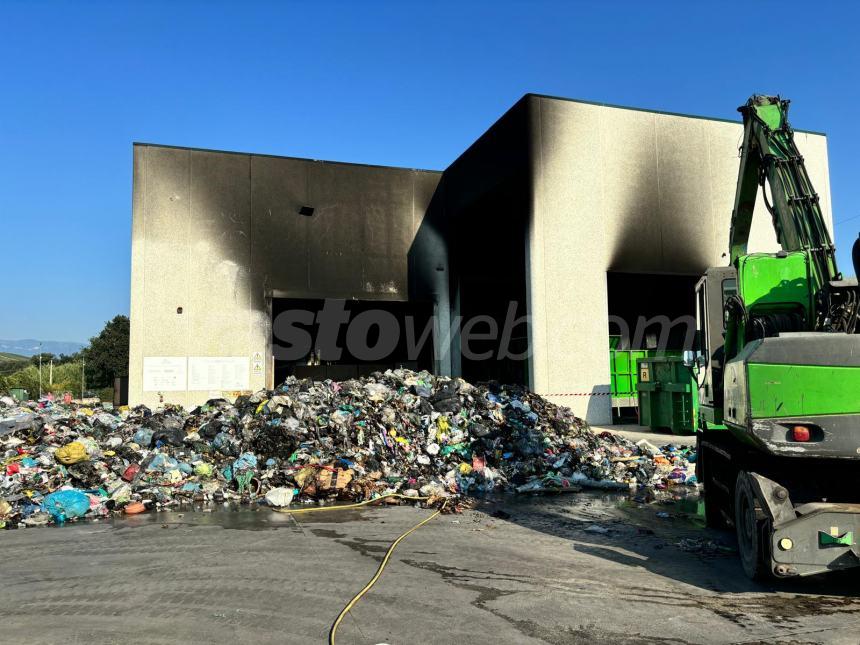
x: 40, y: 371
x: 83, y: 370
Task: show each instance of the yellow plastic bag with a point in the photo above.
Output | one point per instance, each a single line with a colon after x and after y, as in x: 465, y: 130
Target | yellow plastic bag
x: 442, y: 426
x: 203, y: 470
x: 72, y: 453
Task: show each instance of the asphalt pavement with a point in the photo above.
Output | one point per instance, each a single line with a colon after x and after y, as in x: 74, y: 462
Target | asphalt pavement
x: 573, y: 568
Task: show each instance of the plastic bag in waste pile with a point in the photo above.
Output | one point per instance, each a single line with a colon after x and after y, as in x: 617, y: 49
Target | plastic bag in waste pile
x: 72, y: 453
x: 279, y: 496
x: 394, y: 432
x: 66, y: 504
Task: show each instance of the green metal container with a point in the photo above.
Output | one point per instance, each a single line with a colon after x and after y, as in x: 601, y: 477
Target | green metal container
x: 668, y: 395
x: 18, y: 393
x: 623, y: 376
x: 623, y: 372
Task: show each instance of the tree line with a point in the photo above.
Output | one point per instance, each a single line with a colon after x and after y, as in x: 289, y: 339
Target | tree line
x: 102, y: 360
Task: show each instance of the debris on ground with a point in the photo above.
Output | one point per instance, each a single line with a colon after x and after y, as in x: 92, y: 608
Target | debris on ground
x: 311, y: 442
x: 705, y: 546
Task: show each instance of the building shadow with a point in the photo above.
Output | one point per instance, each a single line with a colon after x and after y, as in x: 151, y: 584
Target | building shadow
x: 661, y: 538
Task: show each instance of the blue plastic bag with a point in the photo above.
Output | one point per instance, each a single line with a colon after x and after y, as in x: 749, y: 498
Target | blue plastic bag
x: 143, y: 437
x: 66, y: 504
x: 221, y: 440
x: 246, y: 461
x: 163, y: 462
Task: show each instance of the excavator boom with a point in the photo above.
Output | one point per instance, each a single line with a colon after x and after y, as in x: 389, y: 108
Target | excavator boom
x: 770, y: 156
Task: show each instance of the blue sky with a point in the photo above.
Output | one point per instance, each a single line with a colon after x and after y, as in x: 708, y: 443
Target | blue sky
x: 392, y: 83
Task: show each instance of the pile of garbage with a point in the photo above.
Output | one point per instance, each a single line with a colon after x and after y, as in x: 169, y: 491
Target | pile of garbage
x: 311, y: 442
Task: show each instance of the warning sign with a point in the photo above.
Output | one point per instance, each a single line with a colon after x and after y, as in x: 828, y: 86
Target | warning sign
x: 257, y: 364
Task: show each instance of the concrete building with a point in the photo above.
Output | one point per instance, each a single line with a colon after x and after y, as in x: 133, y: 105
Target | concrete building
x: 580, y: 215
x: 219, y: 241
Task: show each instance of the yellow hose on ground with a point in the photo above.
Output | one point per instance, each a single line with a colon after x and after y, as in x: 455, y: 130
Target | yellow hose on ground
x: 339, y: 507
x: 357, y: 597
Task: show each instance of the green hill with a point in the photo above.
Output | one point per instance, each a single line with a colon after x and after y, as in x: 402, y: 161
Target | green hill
x: 10, y: 363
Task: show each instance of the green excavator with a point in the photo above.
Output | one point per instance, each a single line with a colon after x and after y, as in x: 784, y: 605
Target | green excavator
x: 778, y: 364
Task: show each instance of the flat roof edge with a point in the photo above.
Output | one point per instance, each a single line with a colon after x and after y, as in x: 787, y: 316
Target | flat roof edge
x: 639, y: 109
x: 271, y: 156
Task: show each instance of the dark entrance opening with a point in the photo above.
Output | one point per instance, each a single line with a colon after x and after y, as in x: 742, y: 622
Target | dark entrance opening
x: 649, y: 315
x: 489, y: 252
x: 336, y: 359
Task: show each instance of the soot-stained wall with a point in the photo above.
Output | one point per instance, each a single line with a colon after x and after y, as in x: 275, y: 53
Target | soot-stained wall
x: 216, y: 235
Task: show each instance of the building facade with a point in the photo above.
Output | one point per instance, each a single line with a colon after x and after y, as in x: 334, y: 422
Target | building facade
x: 575, y: 218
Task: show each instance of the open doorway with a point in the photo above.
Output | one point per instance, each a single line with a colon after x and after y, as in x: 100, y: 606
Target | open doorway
x: 308, y: 344
x: 649, y: 315
x: 489, y: 258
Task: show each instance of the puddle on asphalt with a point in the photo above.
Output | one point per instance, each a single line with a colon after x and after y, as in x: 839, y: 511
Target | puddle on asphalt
x: 240, y: 517
x: 684, y: 506
x: 586, y: 506
x: 685, y: 509
x: 670, y: 516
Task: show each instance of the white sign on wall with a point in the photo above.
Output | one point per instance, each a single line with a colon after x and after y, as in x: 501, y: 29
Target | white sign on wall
x: 218, y: 373
x: 164, y: 373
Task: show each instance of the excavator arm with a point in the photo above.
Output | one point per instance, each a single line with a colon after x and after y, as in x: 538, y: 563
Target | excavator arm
x: 770, y: 156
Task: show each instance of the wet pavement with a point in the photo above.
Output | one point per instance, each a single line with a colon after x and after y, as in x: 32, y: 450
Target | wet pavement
x: 657, y: 437
x: 572, y: 568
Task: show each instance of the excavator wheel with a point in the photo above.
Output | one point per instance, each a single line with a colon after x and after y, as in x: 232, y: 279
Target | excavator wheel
x: 751, y: 530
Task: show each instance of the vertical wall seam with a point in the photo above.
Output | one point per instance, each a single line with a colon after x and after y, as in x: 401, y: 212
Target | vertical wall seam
x: 601, y: 151
x: 188, y: 274
x: 306, y: 225
x: 142, y: 260
x: 413, y: 235
x: 527, y: 242
x: 540, y: 223
x: 602, y: 154
x: 249, y: 276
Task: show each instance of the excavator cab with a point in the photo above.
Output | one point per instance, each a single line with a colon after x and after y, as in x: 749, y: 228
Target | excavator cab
x: 713, y: 290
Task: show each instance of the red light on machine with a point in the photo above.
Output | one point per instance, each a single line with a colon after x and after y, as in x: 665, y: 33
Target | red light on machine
x: 800, y: 433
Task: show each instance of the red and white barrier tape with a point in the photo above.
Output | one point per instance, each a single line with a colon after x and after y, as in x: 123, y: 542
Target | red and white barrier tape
x: 591, y: 394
